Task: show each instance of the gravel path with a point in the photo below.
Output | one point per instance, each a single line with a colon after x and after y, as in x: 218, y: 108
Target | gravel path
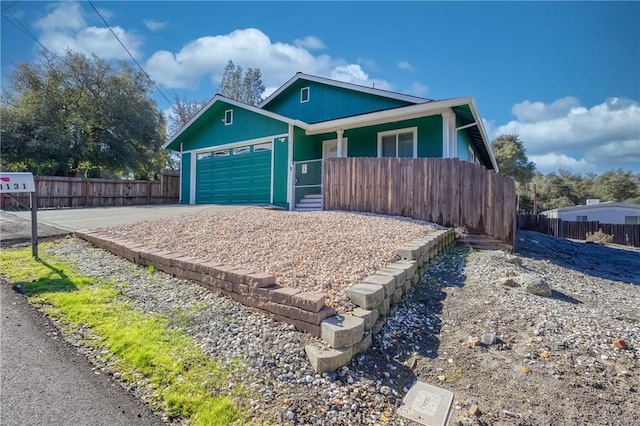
x: 323, y: 251
x: 552, y: 361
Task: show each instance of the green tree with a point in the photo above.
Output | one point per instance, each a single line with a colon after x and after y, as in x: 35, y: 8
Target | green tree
x: 242, y: 86
x: 511, y: 156
x: 183, y: 110
x: 79, y: 115
x: 512, y: 160
x: 618, y: 185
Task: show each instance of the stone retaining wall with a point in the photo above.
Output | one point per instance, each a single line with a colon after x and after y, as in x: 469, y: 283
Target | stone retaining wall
x: 377, y: 297
x: 346, y: 335
x: 304, y: 310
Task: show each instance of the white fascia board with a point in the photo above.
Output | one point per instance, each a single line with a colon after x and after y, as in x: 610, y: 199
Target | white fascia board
x: 483, y: 132
x: 606, y: 205
x: 344, y: 85
x: 380, y: 117
x: 248, y: 107
x: 237, y: 144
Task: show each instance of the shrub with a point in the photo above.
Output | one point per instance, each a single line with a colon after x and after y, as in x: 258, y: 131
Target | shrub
x: 599, y: 237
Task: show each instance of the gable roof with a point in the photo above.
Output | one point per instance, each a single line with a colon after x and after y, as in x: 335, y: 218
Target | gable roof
x: 606, y: 205
x: 221, y: 98
x: 343, y: 85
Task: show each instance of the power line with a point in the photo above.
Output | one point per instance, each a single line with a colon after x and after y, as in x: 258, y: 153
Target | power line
x: 25, y: 30
x: 10, y: 6
x: 129, y: 53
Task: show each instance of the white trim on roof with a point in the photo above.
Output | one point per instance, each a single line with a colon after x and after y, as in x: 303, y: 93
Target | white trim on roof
x: 483, y: 132
x: 606, y: 205
x: 248, y: 107
x: 344, y: 85
x: 385, y: 116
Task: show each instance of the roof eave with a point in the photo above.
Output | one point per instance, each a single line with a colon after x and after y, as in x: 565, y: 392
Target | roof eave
x: 345, y: 85
x: 483, y: 132
x: 369, y: 119
x: 235, y: 103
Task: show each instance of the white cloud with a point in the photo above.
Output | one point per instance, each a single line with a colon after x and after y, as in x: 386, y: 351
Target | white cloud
x: 310, y: 43
x: 65, y: 27
x: 405, y: 65
x: 154, y: 25
x: 530, y: 112
x: 552, y: 161
x: 250, y: 47
x: 62, y: 16
x: 418, y: 89
x: 567, y: 134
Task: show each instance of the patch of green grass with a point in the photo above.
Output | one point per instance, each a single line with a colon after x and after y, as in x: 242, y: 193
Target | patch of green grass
x: 183, y: 377
x: 151, y: 269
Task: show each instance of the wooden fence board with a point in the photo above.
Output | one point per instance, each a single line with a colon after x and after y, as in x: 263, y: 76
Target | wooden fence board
x: 66, y: 192
x: 622, y: 234
x: 445, y: 191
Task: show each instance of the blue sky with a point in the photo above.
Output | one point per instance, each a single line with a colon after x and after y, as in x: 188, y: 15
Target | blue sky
x: 565, y: 77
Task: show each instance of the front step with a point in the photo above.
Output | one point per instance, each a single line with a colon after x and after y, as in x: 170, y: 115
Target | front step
x: 483, y: 242
x: 310, y: 203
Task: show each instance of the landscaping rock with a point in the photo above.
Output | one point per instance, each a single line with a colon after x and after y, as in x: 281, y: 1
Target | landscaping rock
x: 508, y: 282
x: 488, y: 339
x: 514, y: 260
x: 534, y: 284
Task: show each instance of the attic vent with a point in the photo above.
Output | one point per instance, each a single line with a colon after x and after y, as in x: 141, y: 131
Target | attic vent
x: 304, y: 95
x: 593, y: 201
x: 228, y: 117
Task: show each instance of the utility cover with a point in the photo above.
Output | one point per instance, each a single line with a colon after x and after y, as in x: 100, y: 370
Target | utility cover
x: 426, y: 404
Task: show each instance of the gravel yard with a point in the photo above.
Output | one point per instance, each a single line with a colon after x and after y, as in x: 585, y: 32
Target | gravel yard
x: 324, y: 252
x: 552, y: 360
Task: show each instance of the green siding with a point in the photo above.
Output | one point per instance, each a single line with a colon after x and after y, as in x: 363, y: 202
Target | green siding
x: 463, y: 145
x: 210, y: 131
x: 363, y: 142
x: 327, y: 102
x: 308, y: 147
x: 185, y: 170
x: 280, y: 171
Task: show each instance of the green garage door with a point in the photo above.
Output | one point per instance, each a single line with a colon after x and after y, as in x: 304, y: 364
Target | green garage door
x: 234, y: 176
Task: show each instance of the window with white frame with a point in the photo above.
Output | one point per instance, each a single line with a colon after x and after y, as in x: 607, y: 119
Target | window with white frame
x: 304, y: 95
x: 228, y: 117
x: 581, y: 218
x: 398, y: 143
x: 241, y: 150
x: 632, y: 220
x: 472, y: 154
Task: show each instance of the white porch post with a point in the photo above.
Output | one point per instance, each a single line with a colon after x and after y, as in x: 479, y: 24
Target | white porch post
x: 340, y: 147
x: 449, y: 143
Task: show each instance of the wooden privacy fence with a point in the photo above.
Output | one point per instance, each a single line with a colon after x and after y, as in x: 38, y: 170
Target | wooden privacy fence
x: 61, y: 192
x: 622, y: 234
x: 447, y: 191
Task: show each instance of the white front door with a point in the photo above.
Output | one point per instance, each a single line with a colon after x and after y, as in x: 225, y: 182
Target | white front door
x: 330, y: 148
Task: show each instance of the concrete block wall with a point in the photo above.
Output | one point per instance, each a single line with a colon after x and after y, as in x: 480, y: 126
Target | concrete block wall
x: 305, y: 310
x: 376, y: 298
x: 346, y: 335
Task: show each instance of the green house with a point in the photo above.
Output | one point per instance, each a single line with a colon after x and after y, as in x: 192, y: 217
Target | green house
x: 234, y: 153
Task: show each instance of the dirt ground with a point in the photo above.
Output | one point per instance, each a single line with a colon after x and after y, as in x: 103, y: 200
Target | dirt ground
x: 547, y: 360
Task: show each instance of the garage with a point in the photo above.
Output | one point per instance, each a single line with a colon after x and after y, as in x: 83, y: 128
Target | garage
x: 239, y: 175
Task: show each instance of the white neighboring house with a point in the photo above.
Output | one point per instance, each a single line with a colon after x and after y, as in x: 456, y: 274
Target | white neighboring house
x: 607, y: 212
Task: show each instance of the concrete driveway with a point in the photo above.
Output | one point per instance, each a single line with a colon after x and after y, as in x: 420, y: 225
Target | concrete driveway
x: 16, y: 226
